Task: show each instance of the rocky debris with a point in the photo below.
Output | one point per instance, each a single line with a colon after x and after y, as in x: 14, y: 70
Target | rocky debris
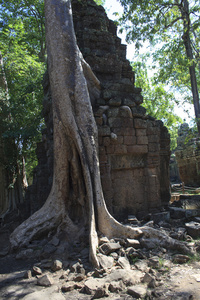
x: 105, y: 261
x: 107, y: 248
x: 137, y: 291
x: 68, y: 286
x: 123, y: 262
x: 180, y: 258
x: 193, y: 229
x: 37, y: 270
x: 45, y: 280
x: 56, y: 265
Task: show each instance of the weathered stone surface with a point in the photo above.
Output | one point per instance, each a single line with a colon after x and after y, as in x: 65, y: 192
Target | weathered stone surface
x: 133, y: 243
x: 68, y: 286
x: 124, y: 263
x: 137, y: 291
x: 107, y: 248
x: 193, y: 229
x: 124, y: 129
x: 180, y: 258
x: 45, y: 280
x: 57, y: 265
x: 37, y: 270
x: 106, y: 262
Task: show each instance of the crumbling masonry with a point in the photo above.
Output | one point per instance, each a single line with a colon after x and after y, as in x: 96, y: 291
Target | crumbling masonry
x: 134, y: 149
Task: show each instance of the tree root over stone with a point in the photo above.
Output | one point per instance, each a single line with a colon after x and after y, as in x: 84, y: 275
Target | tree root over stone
x: 76, y: 200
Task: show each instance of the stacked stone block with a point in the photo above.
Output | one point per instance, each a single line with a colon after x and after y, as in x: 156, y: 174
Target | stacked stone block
x: 133, y: 147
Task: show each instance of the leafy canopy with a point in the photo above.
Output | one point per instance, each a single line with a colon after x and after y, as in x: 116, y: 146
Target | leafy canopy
x: 23, y: 50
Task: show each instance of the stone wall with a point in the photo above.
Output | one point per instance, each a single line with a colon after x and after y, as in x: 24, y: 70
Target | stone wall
x: 134, y: 149
x: 188, y: 156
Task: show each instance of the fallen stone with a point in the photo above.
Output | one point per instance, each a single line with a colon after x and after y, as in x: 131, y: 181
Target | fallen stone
x: 128, y: 277
x: 180, y: 258
x: 103, y: 240
x: 177, y: 213
x: 137, y: 291
x: 162, y: 216
x: 56, y: 265
x: 45, y: 280
x: 79, y: 278
x: 123, y: 262
x: 91, y: 285
x: 107, y: 248
x: 147, y: 278
x: 37, y: 270
x: 116, y: 286
x: 142, y: 265
x: 28, y: 274
x: 133, y: 243
x: 193, y: 229
x: 101, y: 292
x: 51, y: 293
x: 68, y: 286
x: 106, y: 262
x: 154, y: 262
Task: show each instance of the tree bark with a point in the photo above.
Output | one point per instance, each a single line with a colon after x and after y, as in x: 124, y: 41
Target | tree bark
x: 76, y: 199
x: 189, y: 53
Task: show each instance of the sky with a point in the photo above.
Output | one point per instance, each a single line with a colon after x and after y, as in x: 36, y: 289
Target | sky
x: 112, y: 6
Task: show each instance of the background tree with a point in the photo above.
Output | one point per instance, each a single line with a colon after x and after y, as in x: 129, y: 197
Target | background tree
x: 158, y: 102
x: 22, y: 49
x: 172, y: 29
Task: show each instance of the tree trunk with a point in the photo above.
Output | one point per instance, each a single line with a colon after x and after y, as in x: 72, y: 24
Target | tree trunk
x: 192, y: 67
x: 76, y: 199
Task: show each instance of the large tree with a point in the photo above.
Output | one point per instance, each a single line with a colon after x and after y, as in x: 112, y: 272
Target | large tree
x: 76, y: 200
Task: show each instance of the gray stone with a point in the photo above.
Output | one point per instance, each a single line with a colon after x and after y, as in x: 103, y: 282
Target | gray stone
x: 51, y: 293
x: 193, y: 229
x: 137, y: 291
x: 107, y: 248
x: 37, y: 270
x: 133, y: 243
x: 177, y: 213
x: 103, y: 240
x: 56, y: 266
x: 91, y: 285
x: 100, y: 292
x: 123, y: 262
x: 28, y: 274
x: 106, y: 262
x: 147, y: 278
x: 116, y: 286
x: 154, y: 262
x: 162, y: 216
x: 129, y: 277
x: 68, y: 286
x: 142, y: 265
x: 45, y: 280
x: 180, y: 258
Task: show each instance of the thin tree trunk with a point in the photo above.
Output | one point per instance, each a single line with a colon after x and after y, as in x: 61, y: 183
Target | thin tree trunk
x: 189, y: 53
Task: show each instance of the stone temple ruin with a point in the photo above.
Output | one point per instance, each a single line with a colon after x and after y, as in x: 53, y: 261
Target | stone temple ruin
x: 134, y: 149
x: 188, y: 156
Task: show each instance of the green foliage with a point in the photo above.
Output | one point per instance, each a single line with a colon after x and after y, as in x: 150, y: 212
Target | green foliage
x: 22, y: 47
x: 100, y: 2
x: 158, y: 102
x: 164, y: 25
